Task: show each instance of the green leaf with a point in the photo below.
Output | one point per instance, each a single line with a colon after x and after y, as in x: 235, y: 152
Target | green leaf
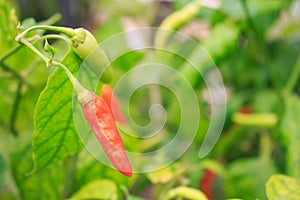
x: 27, y: 23
x: 265, y: 101
x: 283, y: 187
x: 222, y: 40
x: 127, y: 61
x: 8, y: 24
x: 132, y: 197
x: 163, y: 175
x: 55, y: 136
x: 166, y: 174
x: 256, y: 7
x: 90, y: 169
x: 186, y: 192
x: 100, y: 189
x: 246, y: 178
x: 47, y: 183
x: 127, y: 195
x: 233, y: 8
x: 214, y: 166
x: 49, y: 49
x: 290, y: 134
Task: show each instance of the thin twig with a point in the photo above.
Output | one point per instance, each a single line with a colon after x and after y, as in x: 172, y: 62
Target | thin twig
x: 52, y: 20
x: 2, y: 123
x: 14, y: 72
x: 83, y: 94
x: 15, y: 49
x: 250, y: 20
x: 8, y: 68
x: 15, y: 110
x: 11, y: 52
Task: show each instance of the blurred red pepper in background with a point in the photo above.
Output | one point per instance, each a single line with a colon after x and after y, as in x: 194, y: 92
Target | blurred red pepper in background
x: 206, y: 183
x: 108, y: 95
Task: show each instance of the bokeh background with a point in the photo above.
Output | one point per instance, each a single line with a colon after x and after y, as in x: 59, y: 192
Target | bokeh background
x: 254, y: 44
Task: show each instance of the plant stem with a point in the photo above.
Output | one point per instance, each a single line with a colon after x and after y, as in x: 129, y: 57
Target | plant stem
x: 52, y: 20
x: 46, y: 59
x: 83, y: 94
x: 8, y: 68
x: 50, y: 36
x: 292, y: 81
x: 53, y: 36
x: 67, y: 31
x: 10, y: 53
x: 17, y: 48
x: 15, y: 110
x: 77, y: 86
x: 35, y: 50
x: 14, y: 72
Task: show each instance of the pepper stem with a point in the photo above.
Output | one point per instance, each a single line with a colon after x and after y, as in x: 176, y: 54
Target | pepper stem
x: 83, y: 95
x: 67, y: 31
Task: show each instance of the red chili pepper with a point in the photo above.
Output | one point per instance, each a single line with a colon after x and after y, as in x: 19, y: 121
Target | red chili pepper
x: 102, y: 122
x: 246, y: 110
x: 206, y: 183
x: 108, y: 95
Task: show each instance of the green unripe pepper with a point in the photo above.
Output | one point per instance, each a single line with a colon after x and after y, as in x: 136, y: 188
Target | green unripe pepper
x: 86, y: 47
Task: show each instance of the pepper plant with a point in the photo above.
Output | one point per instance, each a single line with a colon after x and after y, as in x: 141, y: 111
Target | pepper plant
x: 53, y: 77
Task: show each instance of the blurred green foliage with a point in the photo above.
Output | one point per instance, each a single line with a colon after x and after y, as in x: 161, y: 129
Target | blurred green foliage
x: 256, y: 47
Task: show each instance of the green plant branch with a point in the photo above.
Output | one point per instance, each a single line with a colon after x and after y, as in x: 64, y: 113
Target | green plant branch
x: 292, y: 81
x: 54, y: 36
x: 67, y: 31
x: 15, y: 110
x: 48, y: 61
x: 82, y: 93
x: 10, y: 53
x: 52, y: 20
x: 17, y: 48
x: 47, y: 23
x: 7, y: 67
x: 35, y: 50
x: 14, y: 72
